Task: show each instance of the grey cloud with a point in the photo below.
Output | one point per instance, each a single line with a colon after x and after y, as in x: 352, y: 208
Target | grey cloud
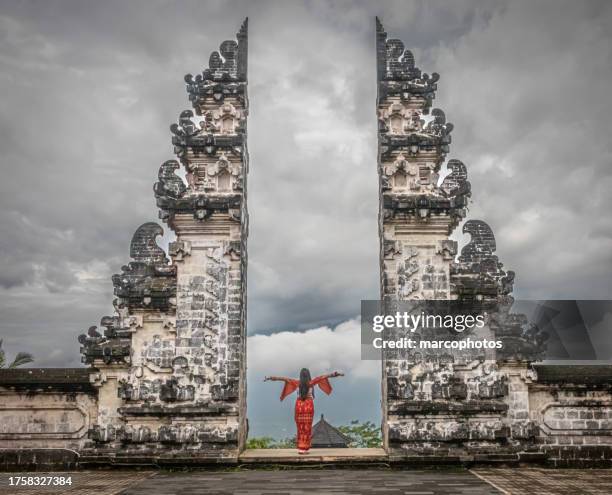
x: 91, y: 88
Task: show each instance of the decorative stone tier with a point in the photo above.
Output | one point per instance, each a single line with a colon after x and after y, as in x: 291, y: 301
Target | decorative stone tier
x: 74, y: 380
x: 397, y: 74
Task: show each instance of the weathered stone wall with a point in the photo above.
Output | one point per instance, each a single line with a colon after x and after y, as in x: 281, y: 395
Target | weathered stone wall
x: 45, y: 419
x: 46, y: 408
x: 572, y: 407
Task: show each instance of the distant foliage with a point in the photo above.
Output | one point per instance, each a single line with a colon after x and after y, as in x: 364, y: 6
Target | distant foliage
x: 20, y: 359
x: 260, y: 443
x: 362, y: 435
x: 270, y: 443
x: 287, y: 443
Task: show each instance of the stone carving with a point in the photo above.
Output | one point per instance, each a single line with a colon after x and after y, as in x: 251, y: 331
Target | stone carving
x: 408, y: 269
x: 148, y: 281
x: 226, y: 119
x: 179, y: 249
x: 478, y: 272
x: 397, y: 72
x: 398, y: 120
x: 109, y: 348
x: 213, y: 150
x: 171, y: 391
x: 438, y: 126
x: 456, y: 183
x: 227, y: 70
x: 185, y: 127
x: 447, y: 249
x: 200, y: 206
x: 482, y: 243
x: 416, y: 139
x: 225, y: 176
x: 411, y: 154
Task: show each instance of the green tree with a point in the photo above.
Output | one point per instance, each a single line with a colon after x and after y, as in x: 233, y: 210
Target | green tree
x: 286, y: 443
x: 362, y: 435
x: 270, y: 443
x: 20, y: 359
x: 260, y: 443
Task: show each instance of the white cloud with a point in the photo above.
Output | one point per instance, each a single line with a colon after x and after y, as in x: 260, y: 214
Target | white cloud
x: 322, y: 350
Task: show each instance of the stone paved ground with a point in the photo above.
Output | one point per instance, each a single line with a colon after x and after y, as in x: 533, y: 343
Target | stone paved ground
x: 315, y: 481
x: 517, y: 481
x: 549, y: 481
x: 83, y: 482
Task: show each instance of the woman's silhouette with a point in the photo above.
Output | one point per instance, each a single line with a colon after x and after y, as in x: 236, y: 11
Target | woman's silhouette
x: 304, y: 405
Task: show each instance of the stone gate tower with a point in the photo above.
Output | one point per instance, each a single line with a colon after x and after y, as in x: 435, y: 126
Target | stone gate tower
x: 439, y: 404
x: 171, y: 363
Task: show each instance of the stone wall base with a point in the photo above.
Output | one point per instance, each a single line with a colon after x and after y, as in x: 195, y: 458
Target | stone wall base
x: 576, y: 456
x: 584, y: 456
x: 38, y: 459
x: 169, y: 460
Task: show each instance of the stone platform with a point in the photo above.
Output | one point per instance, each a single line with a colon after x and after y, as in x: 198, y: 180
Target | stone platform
x: 376, y: 456
x: 316, y: 456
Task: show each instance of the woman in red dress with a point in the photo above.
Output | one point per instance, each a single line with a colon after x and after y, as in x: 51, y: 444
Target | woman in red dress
x: 304, y: 405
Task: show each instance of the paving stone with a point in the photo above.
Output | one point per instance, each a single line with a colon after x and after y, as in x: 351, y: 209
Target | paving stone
x: 309, y: 481
x: 517, y: 481
x: 549, y: 481
x: 83, y: 482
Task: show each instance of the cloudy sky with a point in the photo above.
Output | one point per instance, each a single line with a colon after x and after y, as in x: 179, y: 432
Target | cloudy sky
x: 90, y: 88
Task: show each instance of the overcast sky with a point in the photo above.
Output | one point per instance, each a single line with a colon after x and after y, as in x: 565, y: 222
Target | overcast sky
x: 90, y: 88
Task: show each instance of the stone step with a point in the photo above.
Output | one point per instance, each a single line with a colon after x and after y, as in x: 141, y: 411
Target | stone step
x: 291, y: 456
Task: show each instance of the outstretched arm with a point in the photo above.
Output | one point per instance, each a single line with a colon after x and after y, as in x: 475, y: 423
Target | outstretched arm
x: 330, y: 375
x: 276, y: 379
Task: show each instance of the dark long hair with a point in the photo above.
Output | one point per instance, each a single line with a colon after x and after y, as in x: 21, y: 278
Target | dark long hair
x: 304, y: 383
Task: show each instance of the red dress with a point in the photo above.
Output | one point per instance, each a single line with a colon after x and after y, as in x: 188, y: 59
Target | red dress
x: 304, y: 408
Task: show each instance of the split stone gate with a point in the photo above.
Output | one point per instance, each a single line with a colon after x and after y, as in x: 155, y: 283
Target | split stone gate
x: 166, y: 381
